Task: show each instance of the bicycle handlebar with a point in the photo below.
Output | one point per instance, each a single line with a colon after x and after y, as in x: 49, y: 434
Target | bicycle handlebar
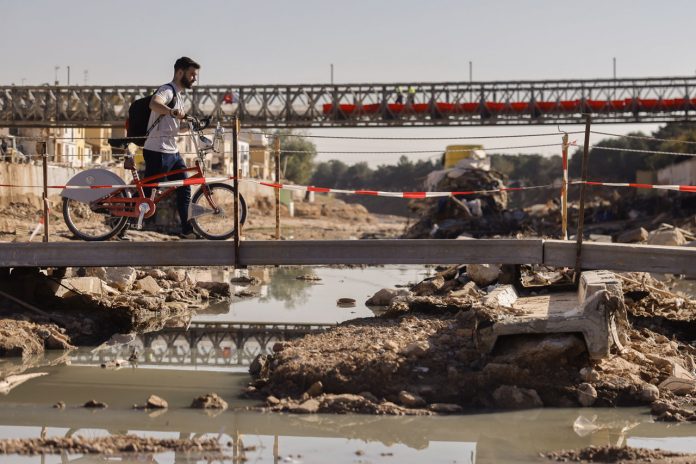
x: 198, y: 124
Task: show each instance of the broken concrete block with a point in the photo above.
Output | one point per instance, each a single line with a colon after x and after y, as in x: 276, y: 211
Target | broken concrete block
x: 148, y: 285
x: 666, y: 237
x: 483, y: 274
x: 633, y: 236
x: 512, y: 397
x: 382, y: 298
x: 79, y: 285
x: 587, y: 313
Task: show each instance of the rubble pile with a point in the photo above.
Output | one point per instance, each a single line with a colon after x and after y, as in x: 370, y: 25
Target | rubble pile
x: 448, y: 217
x: 426, y: 355
x: 91, y: 304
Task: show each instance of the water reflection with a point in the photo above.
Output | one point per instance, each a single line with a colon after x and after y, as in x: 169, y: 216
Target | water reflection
x: 286, y: 287
x: 481, y: 438
x: 202, y: 344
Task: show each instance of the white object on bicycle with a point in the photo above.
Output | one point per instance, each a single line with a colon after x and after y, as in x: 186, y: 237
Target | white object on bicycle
x: 91, y: 177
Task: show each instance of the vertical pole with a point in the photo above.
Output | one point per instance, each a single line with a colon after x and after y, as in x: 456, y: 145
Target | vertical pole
x: 564, y: 190
x: 276, y: 149
x: 41, y: 149
x: 583, y: 186
x: 235, y: 168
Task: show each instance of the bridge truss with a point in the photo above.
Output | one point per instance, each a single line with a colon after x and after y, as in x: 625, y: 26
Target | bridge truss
x: 662, y: 99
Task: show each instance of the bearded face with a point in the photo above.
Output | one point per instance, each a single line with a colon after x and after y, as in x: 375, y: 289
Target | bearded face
x: 189, y: 77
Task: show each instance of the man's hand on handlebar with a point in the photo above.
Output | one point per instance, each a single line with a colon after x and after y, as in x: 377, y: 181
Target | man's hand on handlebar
x: 177, y: 113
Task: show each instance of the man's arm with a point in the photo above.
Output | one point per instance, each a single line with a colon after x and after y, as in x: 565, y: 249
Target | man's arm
x: 157, y: 105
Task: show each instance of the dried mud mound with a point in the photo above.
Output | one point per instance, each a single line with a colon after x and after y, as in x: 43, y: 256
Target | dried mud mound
x: 425, y: 356
x: 615, y: 454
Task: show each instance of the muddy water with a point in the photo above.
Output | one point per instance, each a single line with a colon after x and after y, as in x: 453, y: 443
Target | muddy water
x: 179, y: 368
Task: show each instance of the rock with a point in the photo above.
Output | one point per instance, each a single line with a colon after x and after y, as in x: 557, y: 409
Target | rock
x: 416, y: 349
x: 470, y: 289
x: 79, y: 285
x: 94, y: 404
x: 59, y: 405
x: 589, y: 375
x: 272, y: 400
x: 280, y: 346
x: 316, y: 389
x: 310, y: 406
x: 483, y: 274
x: 633, y: 236
x: 345, y: 302
x: 121, y: 278
x: 147, y: 285
x: 429, y: 287
x: 666, y: 237
x: 391, y: 345
x: 649, y: 393
x: 259, y: 366
x: 445, y: 408
x: 512, y: 397
x: 245, y: 280
x: 157, y: 274
x: 369, y: 397
x: 155, y: 402
x: 209, y: 401
x: 221, y: 289
x: 177, y: 275
x: 382, y: 298
x: 587, y: 395
x: 678, y: 385
x: 410, y: 400
x: 308, y: 278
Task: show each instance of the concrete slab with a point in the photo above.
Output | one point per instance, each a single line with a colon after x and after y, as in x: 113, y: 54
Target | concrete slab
x: 584, y: 312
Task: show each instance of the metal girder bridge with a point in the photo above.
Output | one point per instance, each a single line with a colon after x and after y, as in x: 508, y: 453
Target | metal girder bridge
x: 662, y: 99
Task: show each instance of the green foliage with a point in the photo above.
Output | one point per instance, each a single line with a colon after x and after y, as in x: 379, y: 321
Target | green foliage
x: 297, y: 167
x: 403, y: 176
x: 621, y: 166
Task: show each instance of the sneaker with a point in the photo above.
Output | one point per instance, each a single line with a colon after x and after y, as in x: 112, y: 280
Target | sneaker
x: 188, y: 235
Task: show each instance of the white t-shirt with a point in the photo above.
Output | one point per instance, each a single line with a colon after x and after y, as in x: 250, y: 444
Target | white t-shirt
x: 162, y: 137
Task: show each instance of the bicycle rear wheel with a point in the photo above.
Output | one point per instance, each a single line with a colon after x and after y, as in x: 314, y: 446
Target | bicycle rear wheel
x: 216, y: 224
x: 92, y: 223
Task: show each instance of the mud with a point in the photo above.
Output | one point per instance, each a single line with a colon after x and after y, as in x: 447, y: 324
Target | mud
x: 126, y: 445
x: 615, y: 454
x: 425, y: 352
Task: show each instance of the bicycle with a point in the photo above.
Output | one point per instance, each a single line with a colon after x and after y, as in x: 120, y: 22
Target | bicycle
x: 95, y: 214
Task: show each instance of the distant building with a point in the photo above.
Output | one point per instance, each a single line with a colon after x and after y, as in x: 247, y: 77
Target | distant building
x: 683, y: 173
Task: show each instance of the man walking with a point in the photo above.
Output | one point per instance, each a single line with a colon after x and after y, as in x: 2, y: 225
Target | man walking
x: 160, y: 151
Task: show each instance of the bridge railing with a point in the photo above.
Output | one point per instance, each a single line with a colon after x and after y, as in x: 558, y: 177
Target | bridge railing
x: 353, y: 105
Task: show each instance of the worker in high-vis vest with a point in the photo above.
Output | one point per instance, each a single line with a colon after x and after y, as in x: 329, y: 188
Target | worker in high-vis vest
x: 411, y: 95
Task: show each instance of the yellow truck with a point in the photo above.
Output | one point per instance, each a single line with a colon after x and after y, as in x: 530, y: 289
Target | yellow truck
x: 456, y: 153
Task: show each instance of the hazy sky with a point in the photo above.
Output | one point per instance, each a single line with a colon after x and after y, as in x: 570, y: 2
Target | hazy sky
x: 136, y: 42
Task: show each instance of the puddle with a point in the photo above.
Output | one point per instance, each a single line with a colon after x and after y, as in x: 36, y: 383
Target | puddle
x: 213, y: 356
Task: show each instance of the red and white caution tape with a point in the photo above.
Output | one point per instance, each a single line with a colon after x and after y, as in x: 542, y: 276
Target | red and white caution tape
x: 309, y: 188
x: 679, y: 188
x: 378, y: 193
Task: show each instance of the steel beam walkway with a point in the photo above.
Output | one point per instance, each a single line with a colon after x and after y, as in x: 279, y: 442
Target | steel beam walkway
x: 661, y: 99
x: 617, y: 257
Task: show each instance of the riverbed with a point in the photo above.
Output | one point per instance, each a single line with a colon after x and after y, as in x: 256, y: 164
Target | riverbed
x: 178, y: 367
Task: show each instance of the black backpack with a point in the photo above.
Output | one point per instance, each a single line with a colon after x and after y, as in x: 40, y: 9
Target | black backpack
x: 139, y: 116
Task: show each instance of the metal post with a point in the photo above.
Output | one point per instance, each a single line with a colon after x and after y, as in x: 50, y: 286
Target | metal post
x: 581, y: 213
x: 235, y: 168
x: 41, y: 150
x: 276, y: 149
x: 564, y: 190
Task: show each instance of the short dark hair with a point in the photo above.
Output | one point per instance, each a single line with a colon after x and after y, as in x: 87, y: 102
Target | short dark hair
x: 184, y: 63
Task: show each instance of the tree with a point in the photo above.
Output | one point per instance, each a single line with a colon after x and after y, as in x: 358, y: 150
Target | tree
x: 296, y: 156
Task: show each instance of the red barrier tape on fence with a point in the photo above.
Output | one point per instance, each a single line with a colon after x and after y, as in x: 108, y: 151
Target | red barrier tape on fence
x: 309, y: 188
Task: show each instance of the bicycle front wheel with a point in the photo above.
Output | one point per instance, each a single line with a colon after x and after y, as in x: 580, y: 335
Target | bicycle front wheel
x: 91, y: 223
x: 215, y: 221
